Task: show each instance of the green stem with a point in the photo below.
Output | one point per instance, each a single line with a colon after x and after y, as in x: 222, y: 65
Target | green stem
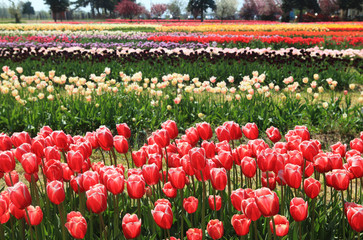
x: 114, y: 156
x: 139, y: 207
x: 2, y: 236
x: 102, y: 227
x: 268, y: 184
x: 116, y: 216
x: 343, y: 223
x: 61, y: 213
x: 203, y: 205
x: 30, y: 225
x: 182, y: 220
x: 127, y: 161
x: 274, y: 226
x: 312, y: 218
x: 300, y: 231
x: 256, y: 231
x: 167, y: 166
x: 229, y: 192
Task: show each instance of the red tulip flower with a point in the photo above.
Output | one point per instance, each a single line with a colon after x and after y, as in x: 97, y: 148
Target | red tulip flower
x: 52, y: 153
x: 38, y: 146
x: 339, y: 148
x: 206, y: 171
x: 90, y: 179
x: 19, y: 195
x: 354, y: 213
x: 190, y: 204
x: 139, y: 158
x: 273, y: 134
x: 197, y: 158
x: 150, y: 173
x: 340, y: 179
x: 16, y: 212
x: 266, y: 160
x: 7, y: 161
x: 76, y: 225
x: 162, y: 201
x: 322, y: 163
x: 114, y: 182
x: 241, y: 224
x: 92, y: 138
x: 55, y: 192
x: 177, y: 177
x: 75, y: 160
x: 250, y: 130
x: 355, y: 166
x: 5, y: 142
x: 161, y: 138
x: 123, y: 130
x: 35, y: 215
x: 248, y: 166
x: 136, y: 186
x: 204, y: 130
x: 60, y: 139
x: 171, y: 127
x: 218, y: 178
x: 183, y: 148
x: 194, y: 234
x: 215, y: 229
x: 12, y: 178
x: 309, y: 149
x: 226, y: 159
x: 295, y: 157
x: 281, y: 225
x: 218, y: 201
x: 357, y: 144
x: 192, y: 136
x: 267, y: 201
x: 312, y: 187
x: 97, y: 198
x: 30, y: 163
x: 238, y: 195
x: 131, y: 226
x: 271, y: 180
x: 19, y: 138
x: 120, y: 143
x: 298, y: 209
x: 169, y: 190
x: 303, y: 132
x: 210, y: 149
x: 53, y: 170
x: 234, y: 130
x: 163, y: 216
x: 293, y: 175
x: 223, y: 134
x: 250, y: 208
x: 105, y: 138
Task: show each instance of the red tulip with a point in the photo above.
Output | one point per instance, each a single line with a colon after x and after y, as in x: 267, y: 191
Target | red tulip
x: 339, y: 148
x: 161, y: 138
x: 163, y: 215
x: 218, y: 178
x: 223, y: 146
x: 197, y: 158
x: 38, y: 146
x: 273, y: 134
x: 271, y: 180
x: 123, y: 130
x: 250, y: 208
x: 55, y: 192
x: 312, y: 187
x: 204, y: 130
x: 234, y: 130
x: 19, y: 195
x: 157, y: 159
x: 295, y: 157
x: 309, y: 169
x: 114, y: 182
x: 187, y: 166
x: 192, y: 136
x: 177, y: 177
x: 223, y: 134
x: 76, y: 225
x: 183, y: 148
x: 355, y: 164
x: 281, y: 225
x: 248, y: 166
x: 303, y: 132
x: 309, y: 149
x: 53, y: 170
x: 52, y: 153
x: 151, y: 174
x: 267, y: 201
x: 35, y: 215
x: 354, y: 213
x: 4, y: 203
x: 97, y: 198
x: 190, y: 204
x: 171, y: 127
x: 335, y: 160
x: 340, y: 179
x: 226, y: 159
x: 5, y: 217
x: 19, y: 138
x: 169, y: 190
x: 218, y: 201
x: 120, y: 143
x: 131, y: 226
x: 322, y: 163
x: 30, y: 163
x: 266, y: 160
x: 215, y: 229
x: 45, y: 131
x: 5, y: 142
x: 241, y: 224
x: 60, y: 139
x: 298, y: 209
x: 105, y: 138
x: 293, y: 175
x: 206, y: 171
x: 250, y: 130
x: 16, y: 212
x: 238, y: 195
x: 12, y: 178
x: 7, y: 161
x: 210, y: 149
x: 135, y: 186
x: 357, y: 144
x: 139, y: 158
x: 75, y: 160
x: 194, y: 234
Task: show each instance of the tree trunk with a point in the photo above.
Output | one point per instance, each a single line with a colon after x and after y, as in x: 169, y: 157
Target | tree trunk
x: 301, y: 15
x: 17, y: 18
x: 202, y: 15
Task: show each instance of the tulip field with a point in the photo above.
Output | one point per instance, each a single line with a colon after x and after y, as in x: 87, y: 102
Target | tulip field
x: 181, y: 130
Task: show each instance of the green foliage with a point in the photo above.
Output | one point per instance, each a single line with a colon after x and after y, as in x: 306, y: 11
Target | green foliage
x: 28, y: 9
x: 200, y: 6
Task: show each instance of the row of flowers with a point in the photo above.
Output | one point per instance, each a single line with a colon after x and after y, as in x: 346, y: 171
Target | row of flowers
x: 257, y: 182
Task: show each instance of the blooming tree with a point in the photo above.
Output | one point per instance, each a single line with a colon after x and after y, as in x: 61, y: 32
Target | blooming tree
x: 328, y: 6
x: 128, y: 9
x: 226, y: 8
x: 158, y: 9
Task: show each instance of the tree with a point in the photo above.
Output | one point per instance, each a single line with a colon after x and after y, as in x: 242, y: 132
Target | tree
x: 128, y: 9
x: 28, y: 9
x: 268, y: 8
x: 248, y: 10
x: 328, y: 6
x: 57, y: 7
x: 344, y: 5
x: 200, y: 6
x: 15, y: 10
x: 226, y: 8
x: 158, y: 9
x: 175, y: 9
x: 288, y: 5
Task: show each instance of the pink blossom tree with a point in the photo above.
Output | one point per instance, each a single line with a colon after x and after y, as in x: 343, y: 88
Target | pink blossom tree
x: 128, y: 9
x: 158, y: 9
